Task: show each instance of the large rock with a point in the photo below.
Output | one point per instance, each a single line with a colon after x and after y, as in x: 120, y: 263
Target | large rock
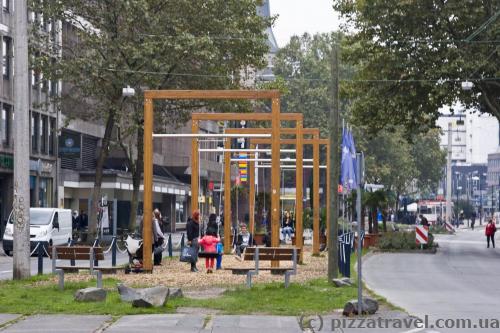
x: 151, y: 297
x: 370, y: 306
x: 127, y: 294
x: 342, y: 282
x: 145, y: 297
x: 175, y: 292
x: 91, y: 294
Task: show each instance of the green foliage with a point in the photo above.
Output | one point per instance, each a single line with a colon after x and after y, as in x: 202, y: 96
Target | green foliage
x: 438, y: 229
x: 411, y: 57
x: 393, y: 157
x: 429, y: 160
x: 146, y: 44
x: 307, y: 218
x: 402, y: 240
x: 305, y: 64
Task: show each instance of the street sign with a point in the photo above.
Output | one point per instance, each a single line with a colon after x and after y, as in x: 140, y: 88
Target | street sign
x: 422, y: 234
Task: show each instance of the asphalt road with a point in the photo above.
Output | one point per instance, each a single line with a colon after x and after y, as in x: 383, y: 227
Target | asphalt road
x: 461, y: 281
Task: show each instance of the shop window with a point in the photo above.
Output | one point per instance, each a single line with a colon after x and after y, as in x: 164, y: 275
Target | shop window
x: 35, y: 131
x: 32, y: 191
x: 44, y: 134
x: 45, y: 192
x: 52, y: 135
x: 6, y: 5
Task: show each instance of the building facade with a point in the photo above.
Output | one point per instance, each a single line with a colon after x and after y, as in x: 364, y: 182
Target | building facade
x: 43, y: 123
x: 474, y: 136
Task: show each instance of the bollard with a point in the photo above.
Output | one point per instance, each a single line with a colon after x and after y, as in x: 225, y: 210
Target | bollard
x: 40, y: 258
x: 54, y: 255
x: 169, y: 245
x: 92, y: 261
x: 72, y: 261
x: 113, y: 252
x: 96, y: 244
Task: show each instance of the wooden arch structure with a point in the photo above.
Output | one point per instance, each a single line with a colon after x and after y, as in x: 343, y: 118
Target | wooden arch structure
x: 275, y: 117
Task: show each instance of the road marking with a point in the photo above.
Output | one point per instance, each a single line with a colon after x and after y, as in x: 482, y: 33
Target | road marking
x: 3, y: 272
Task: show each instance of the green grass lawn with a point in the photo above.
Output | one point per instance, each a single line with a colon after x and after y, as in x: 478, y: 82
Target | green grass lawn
x: 30, y: 297
x: 39, y: 295
x: 314, y: 297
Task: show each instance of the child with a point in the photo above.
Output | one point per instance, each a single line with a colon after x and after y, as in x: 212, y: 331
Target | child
x: 220, y: 251
x: 209, y: 243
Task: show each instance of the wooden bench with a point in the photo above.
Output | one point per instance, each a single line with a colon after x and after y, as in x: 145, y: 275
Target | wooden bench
x: 73, y: 253
x: 258, y: 254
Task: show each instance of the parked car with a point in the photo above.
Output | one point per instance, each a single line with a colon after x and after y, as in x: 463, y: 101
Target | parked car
x: 51, y: 225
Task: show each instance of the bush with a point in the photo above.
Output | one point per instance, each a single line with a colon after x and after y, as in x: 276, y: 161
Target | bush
x: 401, y: 241
x: 438, y: 229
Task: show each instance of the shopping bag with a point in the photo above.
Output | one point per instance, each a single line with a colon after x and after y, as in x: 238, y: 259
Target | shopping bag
x: 188, y: 254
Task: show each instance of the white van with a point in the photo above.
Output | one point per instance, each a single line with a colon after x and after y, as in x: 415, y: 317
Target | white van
x: 51, y: 225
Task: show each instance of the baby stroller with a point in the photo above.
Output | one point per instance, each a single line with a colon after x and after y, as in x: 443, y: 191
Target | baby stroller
x: 133, y: 243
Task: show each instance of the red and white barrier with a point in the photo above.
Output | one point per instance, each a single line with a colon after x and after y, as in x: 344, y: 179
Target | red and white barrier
x: 449, y: 227
x: 422, y: 234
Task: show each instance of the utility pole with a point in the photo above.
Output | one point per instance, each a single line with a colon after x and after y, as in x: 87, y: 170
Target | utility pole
x: 21, y: 205
x: 335, y: 167
x: 448, y: 178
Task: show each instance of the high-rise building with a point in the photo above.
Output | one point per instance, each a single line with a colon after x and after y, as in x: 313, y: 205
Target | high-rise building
x: 474, y: 136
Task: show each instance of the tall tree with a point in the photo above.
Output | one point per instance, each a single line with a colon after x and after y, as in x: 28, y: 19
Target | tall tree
x: 429, y: 159
x: 411, y: 57
x: 147, y: 44
x: 304, y: 64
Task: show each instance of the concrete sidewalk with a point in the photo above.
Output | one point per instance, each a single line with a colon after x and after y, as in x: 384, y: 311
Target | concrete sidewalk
x: 182, y: 323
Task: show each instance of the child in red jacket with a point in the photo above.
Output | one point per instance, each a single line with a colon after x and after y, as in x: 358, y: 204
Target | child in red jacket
x: 209, y: 243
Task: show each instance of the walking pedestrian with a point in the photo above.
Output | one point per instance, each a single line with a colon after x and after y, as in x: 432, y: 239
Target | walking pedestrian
x: 158, y: 238
x: 473, y: 219
x: 193, y: 233
x: 490, y: 233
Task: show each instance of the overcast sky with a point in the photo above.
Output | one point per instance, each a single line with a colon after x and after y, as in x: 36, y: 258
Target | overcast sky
x: 299, y: 16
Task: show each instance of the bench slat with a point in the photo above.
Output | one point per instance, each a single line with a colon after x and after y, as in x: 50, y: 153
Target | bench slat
x: 76, y: 253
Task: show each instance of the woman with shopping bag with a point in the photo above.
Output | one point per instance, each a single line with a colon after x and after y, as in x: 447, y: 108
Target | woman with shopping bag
x: 193, y: 233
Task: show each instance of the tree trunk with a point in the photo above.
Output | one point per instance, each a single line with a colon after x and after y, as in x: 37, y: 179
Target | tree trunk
x: 96, y: 194
x: 136, y: 180
x: 397, y: 208
x: 375, y: 221
x: 384, y: 220
x: 370, y: 222
x: 363, y: 217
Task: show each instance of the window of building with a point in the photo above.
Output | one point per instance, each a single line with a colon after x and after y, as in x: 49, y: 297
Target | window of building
x: 44, y: 134
x: 35, y: 131
x: 5, y: 124
x: 45, y: 192
x: 6, y: 5
x: 6, y: 48
x: 52, y: 135
x: 33, y: 78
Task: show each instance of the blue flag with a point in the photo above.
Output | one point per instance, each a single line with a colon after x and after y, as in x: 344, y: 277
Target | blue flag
x: 347, y: 174
x: 352, y: 149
